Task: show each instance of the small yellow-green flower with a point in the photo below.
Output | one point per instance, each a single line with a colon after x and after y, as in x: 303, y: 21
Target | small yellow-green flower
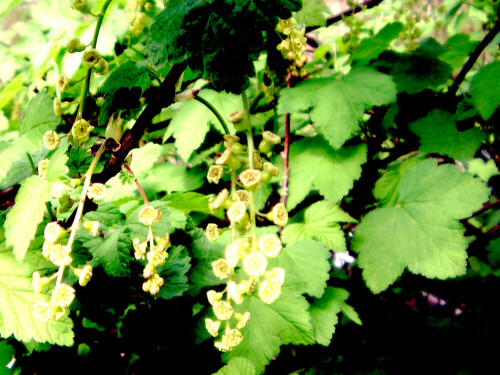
x: 222, y: 310
x: 212, y: 326
x: 53, y: 231
x: 269, y: 290
x: 221, y: 268
x: 242, y: 319
x: 85, y: 275
x: 139, y: 248
x: 255, y: 264
x: 215, y: 173
x: 237, y: 212
x: 212, y: 232
x: 81, y: 130
x: 60, y: 255
x: 148, y: 215
x: 270, y: 245
x: 214, y: 297
x: 42, y: 168
x: 92, y: 227
x: 250, y: 178
x: 51, y: 140
x: 232, y: 254
x: 63, y: 295
x: 279, y: 215
x: 97, y: 192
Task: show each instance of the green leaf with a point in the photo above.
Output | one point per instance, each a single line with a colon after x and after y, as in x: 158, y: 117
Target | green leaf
x: 78, y: 162
x: 339, y: 105
x: 324, y: 314
x: 193, y: 121
x: 38, y: 118
x: 458, y: 49
x: 111, y: 252
x: 371, y: 48
x: 21, y: 222
x: 106, y: 214
x: 16, y: 305
x: 174, y: 273
x: 173, y: 177
x: 122, y: 90
x: 315, y: 165
x: 419, y: 230
x: 57, y: 169
x: 483, y: 169
x: 313, y: 13
x: 285, y: 321
x: 439, y: 135
x: 321, y: 224
x: 414, y: 73
x: 188, y: 202
x: 310, y: 261
x: 485, y: 89
x: 144, y: 158
x: 6, y: 354
x: 238, y: 366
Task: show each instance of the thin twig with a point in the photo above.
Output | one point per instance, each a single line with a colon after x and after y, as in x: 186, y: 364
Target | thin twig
x: 286, y: 154
x: 141, y: 190
x: 330, y: 21
x: 207, y: 104
x: 473, y: 58
x: 486, y: 207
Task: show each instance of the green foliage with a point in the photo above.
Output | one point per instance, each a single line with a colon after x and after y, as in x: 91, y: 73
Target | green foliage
x: 201, y: 119
x: 17, y: 300
x: 387, y: 162
x: 438, y: 134
x: 419, y: 228
x: 20, y: 229
x: 338, y: 105
x: 321, y: 223
x: 212, y: 34
x: 315, y: 165
x: 485, y: 89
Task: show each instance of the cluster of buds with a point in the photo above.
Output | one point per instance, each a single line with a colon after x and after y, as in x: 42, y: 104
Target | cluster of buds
x: 246, y: 251
x: 62, y: 294
x: 137, y: 16
x: 412, y: 14
x: 351, y: 40
x: 156, y: 255
x: 293, y: 46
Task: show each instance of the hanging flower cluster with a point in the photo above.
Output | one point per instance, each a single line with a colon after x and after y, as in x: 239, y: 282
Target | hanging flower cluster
x: 247, y: 250
x: 293, y: 46
x: 153, y: 248
x: 62, y: 293
x: 137, y: 15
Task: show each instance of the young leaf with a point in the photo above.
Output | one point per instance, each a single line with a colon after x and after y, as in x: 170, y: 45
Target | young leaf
x: 313, y: 13
x: 321, y: 224
x: 16, y: 305
x: 339, y: 105
x: 438, y: 134
x: 38, y: 118
x: 308, y: 260
x: 371, y: 48
x: 485, y: 89
x: 285, y: 321
x: 174, y: 273
x: 324, y: 314
x: 21, y: 222
x: 419, y: 230
x: 78, y: 162
x: 238, y: 366
x: 111, y: 252
x: 315, y: 165
x: 193, y: 121
x: 57, y: 169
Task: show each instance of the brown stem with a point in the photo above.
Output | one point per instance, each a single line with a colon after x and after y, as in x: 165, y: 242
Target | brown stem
x: 330, y: 21
x: 486, y: 207
x: 473, y: 58
x: 286, y: 153
x: 164, y: 97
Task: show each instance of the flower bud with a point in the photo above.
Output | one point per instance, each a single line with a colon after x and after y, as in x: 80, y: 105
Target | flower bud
x: 81, y: 5
x: 85, y: 275
x: 58, y: 110
x: 62, y: 83
x: 75, y: 45
x: 101, y: 67
x: 90, y: 58
x: 42, y: 168
x: 268, y: 141
x: 227, y: 158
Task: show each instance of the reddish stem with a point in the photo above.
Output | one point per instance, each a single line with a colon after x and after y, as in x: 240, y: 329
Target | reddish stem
x: 141, y: 190
x: 286, y: 152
